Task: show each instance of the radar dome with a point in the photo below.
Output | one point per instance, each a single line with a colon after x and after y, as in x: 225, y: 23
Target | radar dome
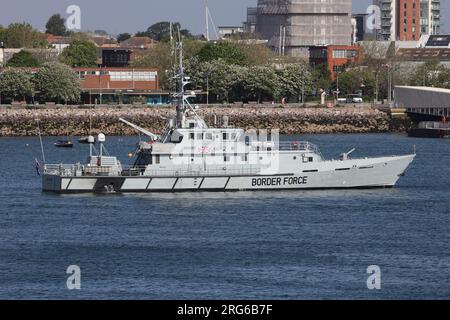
x: 101, y: 138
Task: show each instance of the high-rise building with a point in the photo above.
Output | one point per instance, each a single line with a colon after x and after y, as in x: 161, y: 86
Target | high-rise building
x: 407, y: 20
x: 292, y: 26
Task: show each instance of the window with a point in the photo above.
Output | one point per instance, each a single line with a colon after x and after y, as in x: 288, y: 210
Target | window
x: 157, y: 159
x: 339, y: 54
x: 199, y: 136
x: 208, y: 136
x: 226, y: 158
x: 226, y: 136
x: 192, y: 136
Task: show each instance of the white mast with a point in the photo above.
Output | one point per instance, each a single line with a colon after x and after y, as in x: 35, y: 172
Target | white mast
x: 207, y: 20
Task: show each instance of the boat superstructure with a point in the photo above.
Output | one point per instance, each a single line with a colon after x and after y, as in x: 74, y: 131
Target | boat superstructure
x: 189, y: 155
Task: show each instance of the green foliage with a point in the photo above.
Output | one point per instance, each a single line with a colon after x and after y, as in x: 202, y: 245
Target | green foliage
x: 431, y: 74
x: 80, y: 54
x: 123, y: 36
x: 294, y: 79
x: 256, y: 54
x: 157, y: 57
x: 22, y: 35
x: 321, y: 77
x: 160, y: 31
x: 56, y: 25
x: 352, y: 81
x: 57, y: 82
x: 16, y: 84
x: 23, y: 59
x: 229, y: 82
x: 226, y: 51
x: 160, y: 57
x: 261, y: 82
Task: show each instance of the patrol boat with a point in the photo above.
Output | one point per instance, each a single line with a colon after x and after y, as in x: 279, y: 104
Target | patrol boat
x: 189, y: 155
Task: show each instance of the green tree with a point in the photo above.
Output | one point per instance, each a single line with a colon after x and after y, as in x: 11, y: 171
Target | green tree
x: 80, y: 54
x: 56, y: 25
x: 321, y: 78
x: 160, y: 31
x: 356, y: 80
x: 158, y: 57
x: 261, y: 82
x: 56, y: 82
x: 23, y: 59
x: 16, y: 84
x: 294, y: 80
x: 228, y: 52
x: 256, y: 54
x: 220, y: 78
x: 22, y: 35
x: 431, y: 74
x: 123, y: 36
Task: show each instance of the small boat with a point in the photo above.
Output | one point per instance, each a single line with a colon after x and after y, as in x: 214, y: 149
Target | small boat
x: 64, y: 144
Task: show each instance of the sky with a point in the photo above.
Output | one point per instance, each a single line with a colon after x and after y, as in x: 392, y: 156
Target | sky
x: 117, y: 16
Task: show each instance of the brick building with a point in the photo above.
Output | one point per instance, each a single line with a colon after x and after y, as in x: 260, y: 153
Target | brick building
x: 121, y: 85
x: 337, y: 58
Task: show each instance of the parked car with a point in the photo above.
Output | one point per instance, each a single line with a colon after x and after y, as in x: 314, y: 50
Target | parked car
x: 354, y: 98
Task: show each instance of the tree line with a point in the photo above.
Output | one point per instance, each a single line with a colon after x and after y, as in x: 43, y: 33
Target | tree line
x: 53, y: 82
x: 228, y: 71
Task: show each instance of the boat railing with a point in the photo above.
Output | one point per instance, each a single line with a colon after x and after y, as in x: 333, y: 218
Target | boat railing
x: 296, y: 146
x: 78, y: 170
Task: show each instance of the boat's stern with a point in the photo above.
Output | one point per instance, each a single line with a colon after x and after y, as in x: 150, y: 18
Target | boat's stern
x: 51, y: 183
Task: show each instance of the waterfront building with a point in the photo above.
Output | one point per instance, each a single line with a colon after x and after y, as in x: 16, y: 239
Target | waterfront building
x: 227, y: 31
x: 359, y: 27
x: 250, y: 23
x: 337, y: 58
x: 120, y: 55
x: 121, y: 85
x: 292, y: 26
x: 407, y: 20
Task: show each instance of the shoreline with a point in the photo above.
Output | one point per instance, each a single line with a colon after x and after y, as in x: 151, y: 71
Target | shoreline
x: 21, y: 122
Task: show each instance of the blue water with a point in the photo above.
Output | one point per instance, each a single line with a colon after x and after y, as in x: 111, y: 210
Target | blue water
x: 245, y: 245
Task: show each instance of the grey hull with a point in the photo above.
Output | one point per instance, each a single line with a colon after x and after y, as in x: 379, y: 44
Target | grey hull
x: 378, y: 173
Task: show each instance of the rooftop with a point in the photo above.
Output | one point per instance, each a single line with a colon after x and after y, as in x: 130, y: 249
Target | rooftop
x: 138, y: 43
x: 421, y: 54
x: 429, y: 89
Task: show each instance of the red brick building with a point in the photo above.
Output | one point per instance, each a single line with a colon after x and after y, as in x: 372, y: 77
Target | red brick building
x: 408, y: 20
x: 337, y: 58
x: 120, y: 85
